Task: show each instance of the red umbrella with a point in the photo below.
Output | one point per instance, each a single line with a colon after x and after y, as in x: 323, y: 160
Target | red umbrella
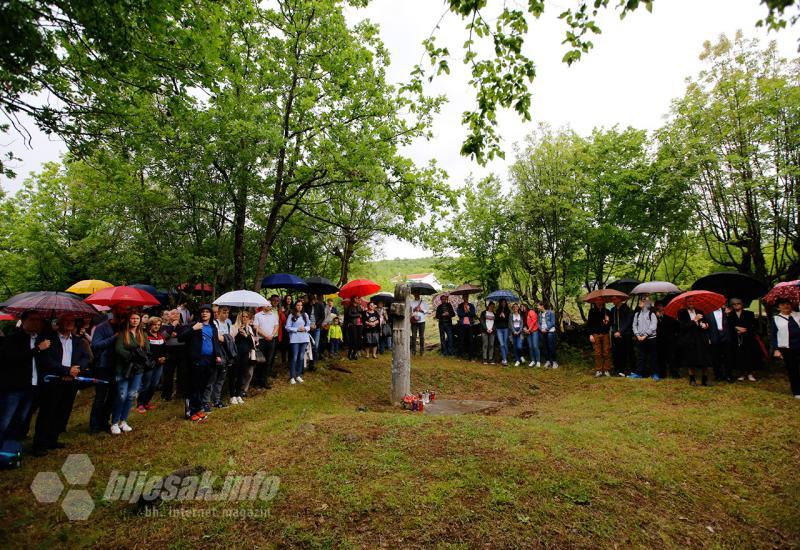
x: 6, y: 317
x: 359, y: 287
x: 122, y: 296
x: 199, y: 287
x: 703, y: 300
x: 604, y: 295
x: 47, y: 304
x: 787, y: 290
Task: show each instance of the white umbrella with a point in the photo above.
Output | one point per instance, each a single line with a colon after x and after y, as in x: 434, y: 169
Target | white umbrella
x: 241, y: 298
x: 655, y: 287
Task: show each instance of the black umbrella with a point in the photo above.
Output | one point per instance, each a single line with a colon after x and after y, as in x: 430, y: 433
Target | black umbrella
x: 623, y: 285
x: 732, y: 284
x: 385, y: 297
x: 421, y: 288
x: 321, y: 285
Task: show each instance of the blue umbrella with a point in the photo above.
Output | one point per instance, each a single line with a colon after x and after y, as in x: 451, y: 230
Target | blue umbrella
x: 160, y: 295
x: 502, y: 295
x: 147, y: 288
x: 284, y: 280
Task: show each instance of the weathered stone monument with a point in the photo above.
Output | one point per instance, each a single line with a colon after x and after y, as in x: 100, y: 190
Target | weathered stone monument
x: 401, y: 348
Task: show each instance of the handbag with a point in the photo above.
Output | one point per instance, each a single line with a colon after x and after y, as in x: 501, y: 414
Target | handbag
x: 258, y: 355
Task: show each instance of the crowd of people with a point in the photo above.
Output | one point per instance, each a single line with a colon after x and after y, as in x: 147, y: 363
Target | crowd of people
x: 212, y: 359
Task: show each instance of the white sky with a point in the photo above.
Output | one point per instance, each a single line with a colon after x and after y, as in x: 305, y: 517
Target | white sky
x: 636, y: 68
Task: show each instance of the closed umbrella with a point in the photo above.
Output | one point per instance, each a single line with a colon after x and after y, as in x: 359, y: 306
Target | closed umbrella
x: 703, y: 300
x: 88, y: 286
x: 732, y: 284
x: 47, y: 304
x: 466, y: 289
x: 623, y: 285
x: 506, y: 295
x: 359, y: 287
x: 321, y: 285
x: 604, y: 296
x: 284, y: 280
x: 241, y: 298
x: 655, y: 287
x: 122, y: 296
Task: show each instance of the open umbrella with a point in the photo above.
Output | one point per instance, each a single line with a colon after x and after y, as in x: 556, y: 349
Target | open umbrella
x: 732, y: 284
x: 150, y: 289
x: 655, y: 287
x: 122, y: 296
x: 284, y: 280
x: 506, y: 295
x: 385, y: 297
x: 321, y: 285
x: 241, y: 298
x: 623, y: 285
x: 454, y: 300
x: 703, y: 300
x: 48, y: 304
x: 199, y: 287
x: 359, y: 287
x: 88, y: 286
x: 421, y: 288
x: 604, y: 296
x: 466, y: 289
x: 787, y: 290
x: 6, y: 317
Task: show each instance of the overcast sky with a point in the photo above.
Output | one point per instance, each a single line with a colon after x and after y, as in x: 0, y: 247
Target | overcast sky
x: 636, y: 68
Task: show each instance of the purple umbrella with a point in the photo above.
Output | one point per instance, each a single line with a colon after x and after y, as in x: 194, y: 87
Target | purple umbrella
x: 48, y: 304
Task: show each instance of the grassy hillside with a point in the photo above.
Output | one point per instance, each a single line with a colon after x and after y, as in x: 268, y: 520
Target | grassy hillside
x: 382, y: 271
x: 567, y: 461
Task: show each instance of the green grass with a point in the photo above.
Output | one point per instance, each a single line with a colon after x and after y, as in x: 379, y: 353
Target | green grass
x: 568, y: 461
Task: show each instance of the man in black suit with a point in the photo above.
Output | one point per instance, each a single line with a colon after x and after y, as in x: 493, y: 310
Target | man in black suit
x: 720, y: 336
x: 22, y: 355
x: 693, y: 342
x: 65, y: 358
x: 744, y: 345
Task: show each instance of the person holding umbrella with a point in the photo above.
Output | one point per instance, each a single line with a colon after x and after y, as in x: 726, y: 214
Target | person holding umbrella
x: 23, y: 352
x: 66, y: 357
x: 445, y: 315
x: 621, y: 337
x: 786, y: 341
x: 516, y: 323
x: 501, y: 319
x: 720, y: 335
x: 693, y: 342
x: 598, y: 325
x: 354, y: 324
x: 745, y: 347
x: 132, y: 348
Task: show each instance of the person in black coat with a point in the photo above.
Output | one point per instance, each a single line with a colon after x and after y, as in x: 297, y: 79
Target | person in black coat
x: 622, y: 338
x: 720, y: 337
x: 743, y: 340
x: 22, y: 354
x: 693, y: 342
x: 66, y: 358
x: 666, y: 342
x: 203, y: 344
x: 102, y: 342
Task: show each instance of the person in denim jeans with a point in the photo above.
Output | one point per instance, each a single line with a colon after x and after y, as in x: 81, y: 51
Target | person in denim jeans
x: 501, y: 324
x: 547, y: 326
x: 516, y: 324
x: 152, y: 375
x: 297, y: 326
x: 532, y: 330
x: 131, y: 348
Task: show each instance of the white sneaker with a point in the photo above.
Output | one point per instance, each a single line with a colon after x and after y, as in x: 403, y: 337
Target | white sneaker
x: 234, y: 400
x: 516, y: 364
x: 115, y: 429
x: 797, y: 396
x: 300, y: 379
x: 598, y: 374
x: 554, y: 365
x: 522, y: 358
x: 751, y: 377
x: 532, y: 364
x: 504, y: 363
x: 547, y: 365
x: 740, y: 379
x: 606, y: 373
x: 538, y: 364
x: 124, y: 426
x: 292, y: 381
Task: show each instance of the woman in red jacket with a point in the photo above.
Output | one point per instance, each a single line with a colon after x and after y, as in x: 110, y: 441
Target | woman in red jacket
x: 532, y: 330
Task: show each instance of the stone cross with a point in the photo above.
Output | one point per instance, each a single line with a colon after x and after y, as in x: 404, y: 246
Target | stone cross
x: 401, y: 343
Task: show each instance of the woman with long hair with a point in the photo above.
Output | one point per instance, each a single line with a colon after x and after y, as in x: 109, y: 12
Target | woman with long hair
x: 242, y: 369
x: 354, y: 326
x: 283, y: 341
x: 131, y: 350
x: 298, y: 325
x: 153, y: 370
x: 372, y: 322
